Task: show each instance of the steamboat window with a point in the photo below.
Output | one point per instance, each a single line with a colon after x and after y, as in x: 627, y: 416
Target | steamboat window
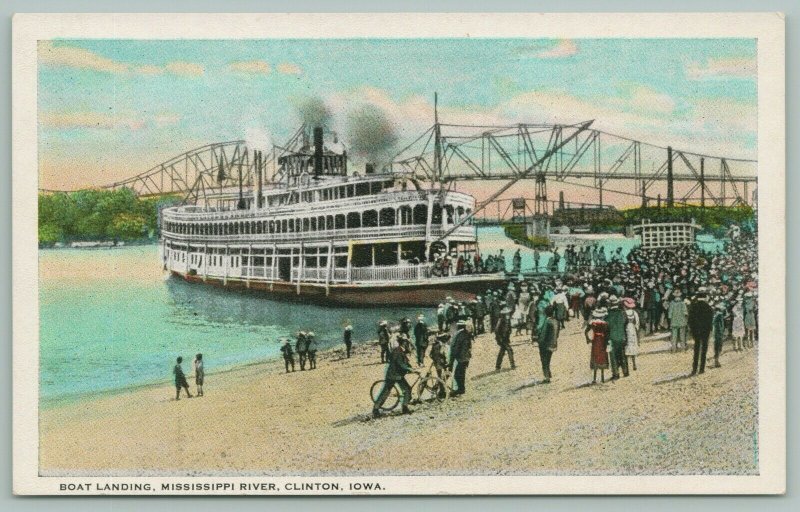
x: 387, y: 217
x: 362, y: 189
x: 271, y: 226
x: 353, y: 220
x: 313, y: 223
x: 449, y: 209
x: 369, y: 219
x: 406, y: 216
x: 329, y: 222
x: 459, y: 213
x: 350, y: 190
x: 339, y: 221
x: 436, y: 216
x: 321, y: 223
x: 306, y: 225
x: 421, y: 213
x: 283, y: 226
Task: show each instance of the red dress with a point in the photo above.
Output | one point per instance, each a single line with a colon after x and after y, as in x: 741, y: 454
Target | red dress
x: 599, y: 356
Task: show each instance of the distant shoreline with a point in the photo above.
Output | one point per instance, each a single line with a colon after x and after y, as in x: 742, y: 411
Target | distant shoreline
x: 99, y: 244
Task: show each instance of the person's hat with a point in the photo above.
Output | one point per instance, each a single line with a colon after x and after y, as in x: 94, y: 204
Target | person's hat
x: 448, y: 298
x: 510, y: 286
x: 702, y: 290
x: 613, y: 299
x: 628, y: 303
x: 477, y: 297
x: 310, y: 334
x: 599, y: 312
x: 505, y: 311
x: 720, y: 305
x: 420, y: 317
x: 441, y: 305
x: 676, y: 292
x: 474, y: 301
x: 383, y: 322
x: 701, y: 296
x: 461, y: 323
x: 302, y: 333
x: 748, y: 294
x: 348, y: 327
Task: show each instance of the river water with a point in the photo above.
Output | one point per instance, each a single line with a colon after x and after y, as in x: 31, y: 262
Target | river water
x: 110, y: 319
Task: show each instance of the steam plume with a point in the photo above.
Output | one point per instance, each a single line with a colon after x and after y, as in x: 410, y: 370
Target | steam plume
x: 372, y: 135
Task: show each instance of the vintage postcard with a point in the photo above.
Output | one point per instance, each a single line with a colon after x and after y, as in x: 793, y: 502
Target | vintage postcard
x: 399, y: 254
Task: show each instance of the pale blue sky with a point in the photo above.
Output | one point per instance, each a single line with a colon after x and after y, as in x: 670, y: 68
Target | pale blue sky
x: 109, y: 109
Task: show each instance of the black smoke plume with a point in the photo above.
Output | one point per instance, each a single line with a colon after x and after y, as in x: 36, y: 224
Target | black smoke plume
x: 371, y: 134
x: 314, y: 112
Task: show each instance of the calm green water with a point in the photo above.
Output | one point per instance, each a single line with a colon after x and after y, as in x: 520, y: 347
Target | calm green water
x: 110, y: 319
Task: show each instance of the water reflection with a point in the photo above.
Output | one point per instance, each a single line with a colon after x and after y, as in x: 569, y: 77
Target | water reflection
x: 195, y: 302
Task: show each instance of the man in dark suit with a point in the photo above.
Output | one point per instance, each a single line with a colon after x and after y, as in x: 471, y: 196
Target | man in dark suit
x: 701, y: 317
x: 396, y: 372
x: 420, y: 339
x: 348, y: 338
x: 548, y: 342
x: 502, y: 335
x: 460, y: 354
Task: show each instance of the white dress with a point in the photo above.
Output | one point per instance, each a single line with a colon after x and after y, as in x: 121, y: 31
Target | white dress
x: 737, y: 329
x: 631, y: 332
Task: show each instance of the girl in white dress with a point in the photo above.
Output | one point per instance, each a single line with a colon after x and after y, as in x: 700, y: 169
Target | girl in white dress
x: 631, y: 331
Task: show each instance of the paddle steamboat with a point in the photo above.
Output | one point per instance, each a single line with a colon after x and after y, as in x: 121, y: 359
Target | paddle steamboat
x: 323, y: 233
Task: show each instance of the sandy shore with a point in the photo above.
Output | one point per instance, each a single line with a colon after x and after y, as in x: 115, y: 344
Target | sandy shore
x: 259, y: 420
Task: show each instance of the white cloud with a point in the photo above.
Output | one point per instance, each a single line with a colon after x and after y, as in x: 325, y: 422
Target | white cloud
x: 288, y: 68
x: 250, y: 67
x: 69, y: 56
x: 183, y: 68
x: 722, y: 68
x: 95, y: 120
x: 105, y: 121
x: 80, y: 58
x: 564, y: 48
x: 721, y: 127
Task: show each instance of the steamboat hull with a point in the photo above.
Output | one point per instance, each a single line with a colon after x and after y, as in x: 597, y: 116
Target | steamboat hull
x: 427, y: 293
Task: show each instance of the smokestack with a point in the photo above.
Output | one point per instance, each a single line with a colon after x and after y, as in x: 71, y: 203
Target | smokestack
x: 369, y: 169
x: 240, y: 205
x: 317, y: 152
x: 260, y: 171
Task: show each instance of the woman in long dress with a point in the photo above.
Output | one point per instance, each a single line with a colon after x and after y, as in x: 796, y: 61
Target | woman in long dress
x: 631, y: 331
x: 737, y: 328
x: 598, y: 359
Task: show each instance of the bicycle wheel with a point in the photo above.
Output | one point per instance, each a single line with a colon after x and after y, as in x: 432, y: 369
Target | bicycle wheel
x: 392, y: 399
x: 432, y: 389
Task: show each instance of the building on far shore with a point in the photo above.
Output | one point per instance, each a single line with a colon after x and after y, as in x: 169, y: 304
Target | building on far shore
x: 660, y: 235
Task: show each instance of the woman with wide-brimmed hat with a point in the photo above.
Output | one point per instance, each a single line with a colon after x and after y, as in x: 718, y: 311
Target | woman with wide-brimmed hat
x: 598, y: 359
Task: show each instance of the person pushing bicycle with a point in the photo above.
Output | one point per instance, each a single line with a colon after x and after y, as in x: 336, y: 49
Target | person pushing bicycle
x: 396, y: 372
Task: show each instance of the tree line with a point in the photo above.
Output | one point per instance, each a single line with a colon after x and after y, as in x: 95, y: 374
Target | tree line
x: 103, y: 215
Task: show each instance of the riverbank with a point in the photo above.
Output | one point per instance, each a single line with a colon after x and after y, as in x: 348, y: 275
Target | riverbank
x: 258, y: 420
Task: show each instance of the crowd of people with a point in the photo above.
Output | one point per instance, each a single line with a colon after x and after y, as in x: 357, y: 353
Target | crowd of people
x: 618, y: 299
x: 455, y: 264
x: 682, y: 291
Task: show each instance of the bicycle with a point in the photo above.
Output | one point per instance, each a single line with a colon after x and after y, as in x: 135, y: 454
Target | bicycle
x: 427, y: 387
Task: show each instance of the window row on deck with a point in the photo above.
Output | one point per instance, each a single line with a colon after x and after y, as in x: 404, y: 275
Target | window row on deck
x: 402, y: 216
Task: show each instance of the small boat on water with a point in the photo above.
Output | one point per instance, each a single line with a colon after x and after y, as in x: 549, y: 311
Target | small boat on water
x: 322, y: 233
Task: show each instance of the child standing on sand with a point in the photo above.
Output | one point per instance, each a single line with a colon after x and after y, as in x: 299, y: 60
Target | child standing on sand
x: 180, y: 380
x: 199, y: 373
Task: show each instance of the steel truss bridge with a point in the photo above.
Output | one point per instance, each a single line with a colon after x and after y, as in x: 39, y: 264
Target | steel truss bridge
x: 446, y: 154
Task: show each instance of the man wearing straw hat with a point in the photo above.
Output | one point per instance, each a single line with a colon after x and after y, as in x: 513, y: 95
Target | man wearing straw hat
x: 420, y: 338
x: 616, y: 337
x: 460, y: 354
x: 502, y: 336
